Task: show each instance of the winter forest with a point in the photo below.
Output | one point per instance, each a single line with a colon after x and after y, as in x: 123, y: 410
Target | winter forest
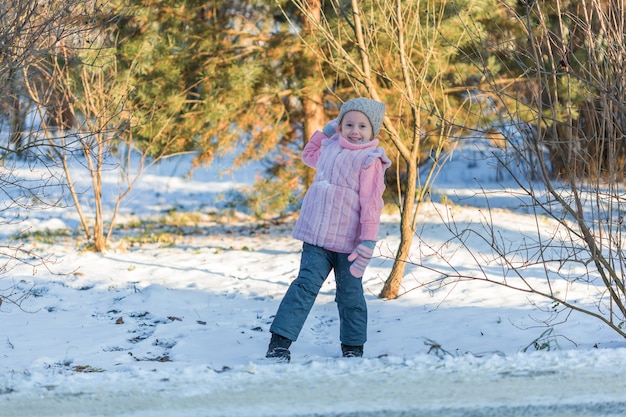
x: 95, y: 95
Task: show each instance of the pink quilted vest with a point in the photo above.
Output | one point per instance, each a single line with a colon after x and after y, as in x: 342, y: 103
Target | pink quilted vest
x: 343, y: 205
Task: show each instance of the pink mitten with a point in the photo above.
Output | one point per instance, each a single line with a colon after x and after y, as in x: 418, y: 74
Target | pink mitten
x: 360, y: 257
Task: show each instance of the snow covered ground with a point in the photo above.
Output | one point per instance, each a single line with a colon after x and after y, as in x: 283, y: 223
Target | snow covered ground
x: 178, y: 326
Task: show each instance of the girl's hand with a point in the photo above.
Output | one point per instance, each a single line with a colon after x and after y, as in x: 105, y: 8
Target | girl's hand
x: 361, y: 257
x: 330, y: 128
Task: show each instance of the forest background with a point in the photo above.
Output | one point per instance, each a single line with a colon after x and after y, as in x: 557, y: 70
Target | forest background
x: 110, y: 83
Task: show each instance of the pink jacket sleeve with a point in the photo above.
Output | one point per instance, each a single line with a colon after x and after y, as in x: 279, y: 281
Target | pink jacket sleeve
x: 311, y: 152
x: 371, y: 199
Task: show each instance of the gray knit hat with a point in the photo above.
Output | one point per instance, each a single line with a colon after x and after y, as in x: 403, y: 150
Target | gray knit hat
x: 374, y: 110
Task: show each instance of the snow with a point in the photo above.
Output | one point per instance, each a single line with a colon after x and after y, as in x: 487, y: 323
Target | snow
x: 179, y: 326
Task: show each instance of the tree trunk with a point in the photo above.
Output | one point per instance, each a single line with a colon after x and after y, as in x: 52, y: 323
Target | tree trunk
x: 99, y: 237
x: 407, y: 229
x: 312, y: 100
x: 394, y: 281
x: 17, y: 120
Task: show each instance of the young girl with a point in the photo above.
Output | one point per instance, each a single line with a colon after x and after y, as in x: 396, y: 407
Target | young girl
x: 338, y: 224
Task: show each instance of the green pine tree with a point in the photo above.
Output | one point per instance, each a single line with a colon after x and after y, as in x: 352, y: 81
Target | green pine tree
x: 216, y: 77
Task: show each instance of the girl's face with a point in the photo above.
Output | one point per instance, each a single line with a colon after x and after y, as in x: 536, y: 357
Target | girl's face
x: 356, y: 127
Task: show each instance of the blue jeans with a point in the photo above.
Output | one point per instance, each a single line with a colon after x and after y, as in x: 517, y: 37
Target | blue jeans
x: 315, y: 266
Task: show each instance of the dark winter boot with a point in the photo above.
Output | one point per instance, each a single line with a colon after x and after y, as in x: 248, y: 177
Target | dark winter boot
x: 279, y: 348
x: 351, y: 351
